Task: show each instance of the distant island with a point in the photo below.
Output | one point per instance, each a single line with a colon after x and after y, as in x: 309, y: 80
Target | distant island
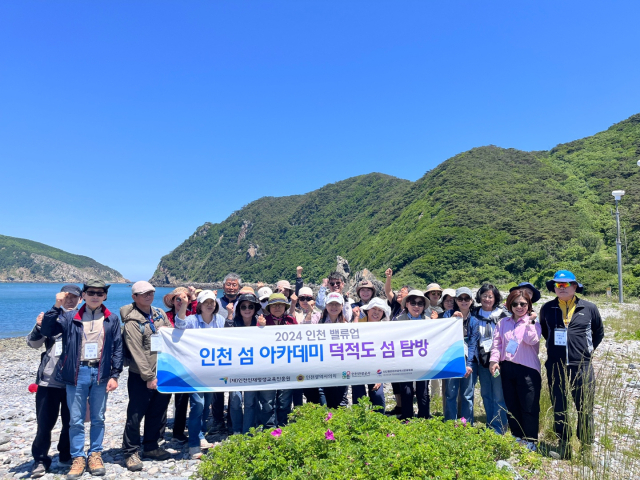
x: 489, y: 214
x: 24, y: 260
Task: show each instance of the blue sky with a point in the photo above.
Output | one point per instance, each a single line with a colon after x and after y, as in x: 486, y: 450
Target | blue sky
x: 126, y: 125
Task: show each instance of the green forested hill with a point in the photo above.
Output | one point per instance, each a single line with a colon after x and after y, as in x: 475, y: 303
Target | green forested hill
x: 489, y: 214
x: 24, y: 260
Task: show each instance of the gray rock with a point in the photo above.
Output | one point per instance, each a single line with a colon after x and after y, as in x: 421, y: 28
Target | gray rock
x: 4, y: 439
x: 506, y: 465
x: 633, y: 366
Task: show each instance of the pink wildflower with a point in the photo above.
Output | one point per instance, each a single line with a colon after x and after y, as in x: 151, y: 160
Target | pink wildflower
x: 328, y: 417
x: 277, y: 432
x: 390, y: 435
x: 329, y: 435
x: 464, y: 421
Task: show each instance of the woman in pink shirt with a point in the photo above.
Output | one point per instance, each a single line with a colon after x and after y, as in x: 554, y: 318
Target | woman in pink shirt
x: 514, y: 355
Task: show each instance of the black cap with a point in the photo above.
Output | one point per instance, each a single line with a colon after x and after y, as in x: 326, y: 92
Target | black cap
x: 95, y: 283
x: 71, y: 288
x: 535, y: 293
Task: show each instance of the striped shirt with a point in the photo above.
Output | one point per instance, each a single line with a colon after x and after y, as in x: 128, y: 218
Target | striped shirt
x: 527, y: 336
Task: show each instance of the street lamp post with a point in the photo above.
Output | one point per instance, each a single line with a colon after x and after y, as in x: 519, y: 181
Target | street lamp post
x: 617, y: 194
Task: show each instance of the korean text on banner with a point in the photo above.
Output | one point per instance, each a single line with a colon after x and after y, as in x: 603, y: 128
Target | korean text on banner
x: 309, y: 355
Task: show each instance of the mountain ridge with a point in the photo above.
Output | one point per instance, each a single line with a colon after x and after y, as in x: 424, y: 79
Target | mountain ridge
x: 487, y: 214
x: 23, y: 260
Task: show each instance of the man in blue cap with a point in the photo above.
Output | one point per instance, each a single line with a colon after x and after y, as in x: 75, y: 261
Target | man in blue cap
x: 573, y: 329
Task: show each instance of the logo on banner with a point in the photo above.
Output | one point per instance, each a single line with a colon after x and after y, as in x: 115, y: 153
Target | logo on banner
x: 300, y: 378
x: 379, y: 372
x: 346, y: 375
x: 224, y: 379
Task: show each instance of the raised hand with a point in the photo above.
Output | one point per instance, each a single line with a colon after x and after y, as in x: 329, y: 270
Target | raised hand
x: 60, y: 296
x: 39, y: 318
x: 192, y: 293
x: 261, y: 321
x: 388, y: 272
x: 298, y: 271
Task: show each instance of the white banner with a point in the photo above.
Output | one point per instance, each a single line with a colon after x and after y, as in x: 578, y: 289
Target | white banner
x: 309, y: 355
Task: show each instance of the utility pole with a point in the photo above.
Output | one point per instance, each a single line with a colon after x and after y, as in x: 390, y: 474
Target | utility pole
x: 617, y: 194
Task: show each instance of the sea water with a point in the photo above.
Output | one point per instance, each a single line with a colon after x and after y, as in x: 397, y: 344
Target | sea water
x: 20, y: 303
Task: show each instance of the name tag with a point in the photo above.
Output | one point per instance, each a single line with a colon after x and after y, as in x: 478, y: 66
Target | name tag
x: 512, y: 346
x: 156, y: 343
x: 486, y: 344
x: 90, y: 351
x: 58, y: 349
x: 560, y: 337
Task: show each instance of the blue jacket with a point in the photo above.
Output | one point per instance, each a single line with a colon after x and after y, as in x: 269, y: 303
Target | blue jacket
x: 471, y: 335
x: 69, y: 324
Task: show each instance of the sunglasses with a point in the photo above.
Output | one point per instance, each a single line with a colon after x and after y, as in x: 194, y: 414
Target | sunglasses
x: 464, y: 299
x: 248, y: 307
x: 563, y: 284
x: 335, y: 284
x: 519, y: 304
x: 305, y: 299
x: 93, y: 293
x: 416, y: 304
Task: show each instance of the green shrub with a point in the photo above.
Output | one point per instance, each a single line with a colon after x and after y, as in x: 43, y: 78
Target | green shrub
x: 358, y: 442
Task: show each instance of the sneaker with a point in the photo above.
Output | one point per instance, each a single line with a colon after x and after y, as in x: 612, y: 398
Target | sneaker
x: 195, y: 453
x: 38, y: 470
x: 96, y: 466
x: 180, y: 438
x: 157, y: 454
x: 396, y: 411
x: 133, y: 463
x: 205, y: 445
x: 77, y: 468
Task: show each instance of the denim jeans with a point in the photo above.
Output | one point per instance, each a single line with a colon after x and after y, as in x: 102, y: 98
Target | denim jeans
x: 492, y: 398
x: 377, y: 396
x: 236, y: 414
x: 197, y: 423
x: 86, y: 387
x: 454, y: 386
x: 283, y: 406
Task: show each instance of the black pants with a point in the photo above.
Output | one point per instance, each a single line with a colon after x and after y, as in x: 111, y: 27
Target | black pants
x: 50, y: 402
x: 521, y: 388
x: 180, y: 420
x: 148, y: 404
x: 421, y: 392
x: 582, y: 387
x: 335, y: 396
x: 217, y: 411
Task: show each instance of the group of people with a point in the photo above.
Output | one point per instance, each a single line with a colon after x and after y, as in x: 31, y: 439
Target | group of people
x: 87, y: 348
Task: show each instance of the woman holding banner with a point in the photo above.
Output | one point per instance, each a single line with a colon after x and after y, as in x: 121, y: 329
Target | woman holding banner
x: 376, y: 310
x: 256, y: 403
x: 415, y: 306
x: 463, y: 303
x: 206, y: 317
x: 332, y: 313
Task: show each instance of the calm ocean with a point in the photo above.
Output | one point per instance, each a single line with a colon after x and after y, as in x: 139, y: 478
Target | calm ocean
x: 20, y: 303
